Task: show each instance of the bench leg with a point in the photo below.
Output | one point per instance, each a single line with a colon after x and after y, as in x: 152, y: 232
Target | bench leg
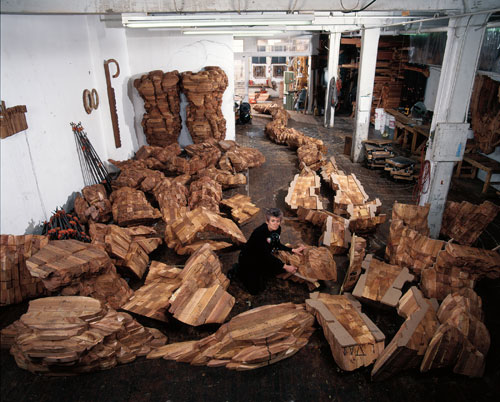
x: 487, y: 182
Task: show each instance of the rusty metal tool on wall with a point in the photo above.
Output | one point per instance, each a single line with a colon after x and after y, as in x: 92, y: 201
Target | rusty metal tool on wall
x: 112, y: 100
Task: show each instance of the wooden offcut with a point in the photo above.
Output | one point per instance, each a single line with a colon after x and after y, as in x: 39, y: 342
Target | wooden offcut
x: 67, y: 335
x: 356, y: 257
x: 72, y: 267
x: 464, y: 222
x: 381, y: 283
x: 242, y: 210
x: 304, y: 191
x: 16, y: 282
x: 406, y: 350
x: 253, y: 339
x: 355, y: 341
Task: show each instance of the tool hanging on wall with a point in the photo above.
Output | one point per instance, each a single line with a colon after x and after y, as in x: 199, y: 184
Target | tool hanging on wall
x: 90, y: 100
x: 93, y: 170
x: 112, y: 100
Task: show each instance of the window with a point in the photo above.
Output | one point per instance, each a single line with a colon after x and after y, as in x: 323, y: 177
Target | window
x: 278, y: 60
x: 278, y: 70
x: 258, y: 60
x: 259, y: 71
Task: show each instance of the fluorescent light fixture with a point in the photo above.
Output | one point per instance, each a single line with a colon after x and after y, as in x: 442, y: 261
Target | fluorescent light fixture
x: 213, y: 20
x: 234, y: 33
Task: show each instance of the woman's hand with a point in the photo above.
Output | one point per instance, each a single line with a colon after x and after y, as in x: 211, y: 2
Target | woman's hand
x: 299, y: 249
x: 290, y: 268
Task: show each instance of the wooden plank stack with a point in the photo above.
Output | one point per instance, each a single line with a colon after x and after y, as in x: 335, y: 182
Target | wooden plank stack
x: 204, y: 92
x: 130, y: 207
x: 12, y: 120
x: 349, y: 191
x: 72, y: 267
x: 354, y: 339
x: 376, y: 152
x: 242, y: 210
x: 129, y: 247
x: 457, y: 267
x: 356, y: 257
x: 381, y: 283
x: 94, y: 205
x: 462, y: 340
x: 187, y: 228
x: 253, y: 339
x: 304, y: 191
x: 16, y: 282
x: 162, y: 120
x: 406, y: 350
x: 485, y: 113
x: 464, y: 222
x: 315, y: 263
x: 408, y: 248
x: 205, y: 192
x: 67, y: 335
x: 225, y: 178
x: 401, y: 168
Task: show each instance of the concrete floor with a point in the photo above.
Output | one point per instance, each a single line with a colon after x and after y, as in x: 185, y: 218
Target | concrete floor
x: 311, y: 374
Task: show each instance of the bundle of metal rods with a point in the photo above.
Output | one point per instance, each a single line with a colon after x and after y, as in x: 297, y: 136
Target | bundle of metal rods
x: 64, y: 226
x: 93, y: 170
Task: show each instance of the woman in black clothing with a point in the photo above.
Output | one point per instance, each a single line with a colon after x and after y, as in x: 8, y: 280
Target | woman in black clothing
x: 256, y: 260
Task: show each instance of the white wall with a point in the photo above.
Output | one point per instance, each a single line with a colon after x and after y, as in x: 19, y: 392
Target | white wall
x: 160, y: 50
x: 431, y: 87
x: 46, y: 63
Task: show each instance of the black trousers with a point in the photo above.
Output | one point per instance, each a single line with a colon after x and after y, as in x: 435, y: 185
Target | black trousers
x: 255, y: 270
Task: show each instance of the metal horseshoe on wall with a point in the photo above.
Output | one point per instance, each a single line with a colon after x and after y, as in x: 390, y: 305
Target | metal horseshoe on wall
x: 112, y: 99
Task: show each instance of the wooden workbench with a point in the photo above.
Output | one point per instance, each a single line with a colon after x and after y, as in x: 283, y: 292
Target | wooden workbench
x: 404, y: 127
x: 478, y: 161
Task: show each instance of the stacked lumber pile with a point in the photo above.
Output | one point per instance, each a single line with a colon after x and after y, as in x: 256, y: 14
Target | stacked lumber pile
x: 354, y: 339
x: 462, y: 340
x: 205, y: 192
x: 457, y: 267
x: 365, y: 218
x: 195, y: 295
x: 153, y: 298
x: 406, y: 350
x: 401, y: 168
x: 304, y: 191
x: 129, y: 247
x: 253, y: 339
x: 162, y: 120
x: 188, y: 228
x: 130, y: 207
x: 208, y: 151
x: 94, y: 205
x: 69, y: 335
x: 143, y: 179
x: 348, y: 191
x: 172, y: 197
x: 335, y: 229
x: 485, y: 113
x: 242, y: 210
x: 376, y: 152
x: 329, y: 168
x: 381, y: 283
x: 204, y: 92
x: 356, y: 257
x: 237, y: 158
x: 16, y: 282
x: 72, y: 267
x: 315, y: 263
x: 310, y: 156
x: 464, y: 222
x: 225, y: 178
x: 408, y: 248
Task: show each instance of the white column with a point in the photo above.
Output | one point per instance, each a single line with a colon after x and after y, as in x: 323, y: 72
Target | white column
x: 333, y: 64
x: 310, y: 86
x: 463, y: 46
x: 246, y: 69
x: 366, y: 77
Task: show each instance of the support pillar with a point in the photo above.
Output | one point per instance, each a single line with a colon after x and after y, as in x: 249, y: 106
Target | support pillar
x: 310, y: 86
x: 333, y: 64
x: 246, y: 71
x: 463, y: 46
x: 366, y: 78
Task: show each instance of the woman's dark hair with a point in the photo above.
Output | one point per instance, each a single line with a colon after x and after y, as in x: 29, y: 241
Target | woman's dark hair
x: 274, y: 212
